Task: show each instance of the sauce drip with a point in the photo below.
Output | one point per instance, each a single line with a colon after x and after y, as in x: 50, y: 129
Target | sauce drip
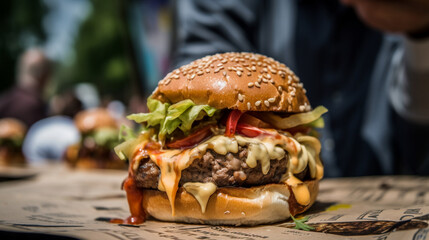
x: 303, y: 151
x: 135, y: 198
x: 134, y: 194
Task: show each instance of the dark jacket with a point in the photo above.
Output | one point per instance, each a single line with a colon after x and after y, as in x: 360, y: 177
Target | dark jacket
x: 356, y: 72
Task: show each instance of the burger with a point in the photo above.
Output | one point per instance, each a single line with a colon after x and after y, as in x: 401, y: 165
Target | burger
x: 12, y: 132
x: 99, y: 134
x: 229, y: 140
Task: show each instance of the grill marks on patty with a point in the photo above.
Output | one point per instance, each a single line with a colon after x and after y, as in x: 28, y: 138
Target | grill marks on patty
x: 222, y: 170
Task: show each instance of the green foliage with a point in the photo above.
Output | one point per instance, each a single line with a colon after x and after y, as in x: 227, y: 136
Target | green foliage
x: 21, y: 25
x: 101, y: 54
x: 300, y: 224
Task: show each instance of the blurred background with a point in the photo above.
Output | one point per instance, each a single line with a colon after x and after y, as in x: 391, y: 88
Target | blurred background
x: 60, y: 57
x: 118, y: 47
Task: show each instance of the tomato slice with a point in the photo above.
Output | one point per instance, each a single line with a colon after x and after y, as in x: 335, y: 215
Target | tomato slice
x: 231, y: 122
x: 192, y: 139
x: 249, y: 130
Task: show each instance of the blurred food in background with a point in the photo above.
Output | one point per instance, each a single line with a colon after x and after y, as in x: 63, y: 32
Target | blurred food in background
x: 12, y: 132
x: 61, y: 57
x: 99, y: 135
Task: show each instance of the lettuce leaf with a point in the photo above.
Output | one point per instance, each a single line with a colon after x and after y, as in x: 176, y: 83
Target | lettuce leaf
x: 156, y: 115
x: 126, y: 133
x: 168, y: 117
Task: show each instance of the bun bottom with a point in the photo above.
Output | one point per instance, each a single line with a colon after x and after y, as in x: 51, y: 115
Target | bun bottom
x: 230, y: 206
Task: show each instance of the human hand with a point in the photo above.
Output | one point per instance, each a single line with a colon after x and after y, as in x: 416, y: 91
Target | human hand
x: 401, y: 16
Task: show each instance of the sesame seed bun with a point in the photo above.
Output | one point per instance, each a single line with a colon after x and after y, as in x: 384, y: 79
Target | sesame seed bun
x: 231, y: 206
x: 243, y: 81
x: 12, y: 128
x: 90, y: 120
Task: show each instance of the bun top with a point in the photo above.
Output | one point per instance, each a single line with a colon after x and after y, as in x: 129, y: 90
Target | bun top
x: 90, y: 120
x: 12, y: 128
x: 243, y: 81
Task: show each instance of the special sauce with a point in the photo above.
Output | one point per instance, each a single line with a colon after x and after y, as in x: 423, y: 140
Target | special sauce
x: 303, y: 151
x: 134, y: 194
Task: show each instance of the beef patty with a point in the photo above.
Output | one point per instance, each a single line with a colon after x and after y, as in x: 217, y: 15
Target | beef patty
x: 223, y: 170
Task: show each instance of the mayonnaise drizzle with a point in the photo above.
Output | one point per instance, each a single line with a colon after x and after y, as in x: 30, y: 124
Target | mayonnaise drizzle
x: 302, y: 150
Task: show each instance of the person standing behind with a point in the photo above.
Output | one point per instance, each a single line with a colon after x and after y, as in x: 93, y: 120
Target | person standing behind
x: 374, y: 83
x: 24, y: 100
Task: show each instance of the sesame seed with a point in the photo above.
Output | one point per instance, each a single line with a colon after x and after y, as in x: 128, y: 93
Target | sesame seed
x: 239, y: 73
x: 271, y: 100
x: 250, y: 84
x: 207, y: 70
x: 240, y: 97
x: 177, y: 71
x: 224, y: 73
x: 216, y: 70
x: 258, y: 103
x: 248, y: 105
x: 302, y: 108
x: 193, y: 76
x: 228, y: 78
x: 200, y: 73
x: 272, y: 81
x: 304, y: 90
x: 254, y: 68
x: 220, y: 65
x: 265, y: 80
x: 176, y: 76
x: 267, y: 103
x: 292, y: 93
x: 257, y: 85
x: 289, y: 78
x: 264, y: 70
x: 280, y: 88
x: 249, y: 74
x: 268, y: 76
x: 224, y: 61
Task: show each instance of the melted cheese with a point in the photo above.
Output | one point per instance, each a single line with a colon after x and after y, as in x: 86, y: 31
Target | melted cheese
x: 201, y: 192
x: 302, y: 150
x: 299, y: 189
